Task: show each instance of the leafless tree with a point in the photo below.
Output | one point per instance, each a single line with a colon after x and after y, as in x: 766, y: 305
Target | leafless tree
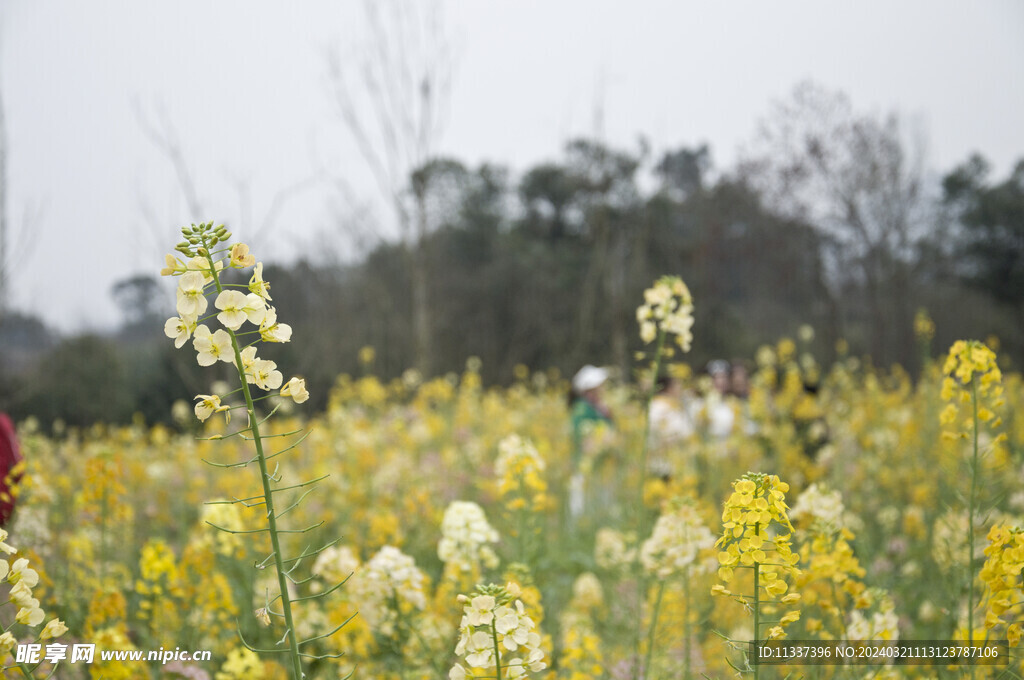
x: 862, y: 184
x: 392, y: 98
x: 28, y: 232
x: 161, y: 131
x: 3, y: 210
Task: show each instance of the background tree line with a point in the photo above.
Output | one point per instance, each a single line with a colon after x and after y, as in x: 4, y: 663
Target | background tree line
x: 829, y: 219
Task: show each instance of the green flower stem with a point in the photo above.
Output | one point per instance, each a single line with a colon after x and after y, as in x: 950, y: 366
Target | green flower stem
x: 757, y: 600
x: 25, y: 670
x: 104, y: 516
x: 652, y: 629
x: 407, y: 625
x: 686, y: 624
x: 268, y: 496
x: 647, y: 431
x: 497, y: 651
x: 970, y: 519
x: 641, y: 510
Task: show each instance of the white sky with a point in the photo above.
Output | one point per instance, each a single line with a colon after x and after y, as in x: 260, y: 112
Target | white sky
x: 245, y: 85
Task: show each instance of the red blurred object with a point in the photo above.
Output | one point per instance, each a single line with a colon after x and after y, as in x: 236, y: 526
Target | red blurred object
x: 10, y: 456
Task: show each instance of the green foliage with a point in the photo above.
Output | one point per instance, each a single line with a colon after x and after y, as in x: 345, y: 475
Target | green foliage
x: 992, y: 217
x: 81, y: 381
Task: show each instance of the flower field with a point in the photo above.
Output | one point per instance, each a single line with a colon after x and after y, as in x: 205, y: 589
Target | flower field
x: 115, y: 520
x: 440, y: 529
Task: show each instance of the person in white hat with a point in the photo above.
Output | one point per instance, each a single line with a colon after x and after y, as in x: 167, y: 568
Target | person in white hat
x: 586, y: 409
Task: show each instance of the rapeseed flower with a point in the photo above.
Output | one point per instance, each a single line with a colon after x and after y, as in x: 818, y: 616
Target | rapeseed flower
x: 191, y: 297
x: 465, y: 538
x: 667, y: 308
x: 1001, y: 575
x: 257, y: 285
x: 240, y: 257
x: 496, y: 633
x: 678, y: 538
x: 237, y: 308
x: 212, y: 347
x: 296, y: 389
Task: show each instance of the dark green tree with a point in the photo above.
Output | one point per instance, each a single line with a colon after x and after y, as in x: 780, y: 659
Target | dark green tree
x: 992, y: 235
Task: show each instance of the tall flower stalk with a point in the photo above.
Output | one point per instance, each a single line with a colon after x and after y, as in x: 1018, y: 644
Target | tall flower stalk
x: 209, y: 253
x: 1004, y: 563
x: 756, y: 535
x: 971, y: 377
x: 520, y: 475
x: 21, y: 579
x: 667, y: 310
x: 497, y: 639
x: 672, y: 553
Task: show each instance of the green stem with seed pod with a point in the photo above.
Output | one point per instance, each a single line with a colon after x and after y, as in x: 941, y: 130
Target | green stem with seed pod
x: 653, y: 628
x: 207, y: 243
x: 970, y: 519
x: 497, y: 650
x: 757, y: 601
x: 686, y: 624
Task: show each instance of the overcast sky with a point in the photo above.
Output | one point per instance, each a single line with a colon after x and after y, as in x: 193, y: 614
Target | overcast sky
x: 245, y: 86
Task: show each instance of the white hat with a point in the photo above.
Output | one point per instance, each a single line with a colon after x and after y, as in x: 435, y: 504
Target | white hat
x: 589, y: 377
x: 718, y: 366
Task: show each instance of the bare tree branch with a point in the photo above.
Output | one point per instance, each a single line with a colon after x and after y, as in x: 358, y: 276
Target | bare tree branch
x: 3, y: 210
x: 164, y: 137
x: 403, y: 80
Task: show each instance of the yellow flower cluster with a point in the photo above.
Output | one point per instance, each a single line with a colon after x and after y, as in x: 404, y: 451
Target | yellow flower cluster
x: 520, y: 472
x: 756, y: 505
x: 465, y: 535
x: 581, y: 657
x: 924, y: 327
x: 196, y: 276
x: 753, y: 520
x: 667, y: 308
x: 496, y: 633
x: 582, y: 652
x: 389, y: 588
x: 677, y: 541
x: 159, y: 587
x: 20, y: 578
x: 1001, y: 574
x: 875, y: 617
x: 241, y: 664
x: 830, y: 582
x: 971, y: 373
x: 398, y: 452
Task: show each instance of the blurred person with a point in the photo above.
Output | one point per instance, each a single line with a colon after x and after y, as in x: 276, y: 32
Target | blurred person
x: 587, y: 410
x: 739, y: 388
x: 739, y: 380
x: 10, y: 467
x: 718, y: 410
x: 670, y: 425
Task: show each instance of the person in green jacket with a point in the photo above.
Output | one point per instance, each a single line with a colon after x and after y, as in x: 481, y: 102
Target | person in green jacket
x: 586, y: 409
